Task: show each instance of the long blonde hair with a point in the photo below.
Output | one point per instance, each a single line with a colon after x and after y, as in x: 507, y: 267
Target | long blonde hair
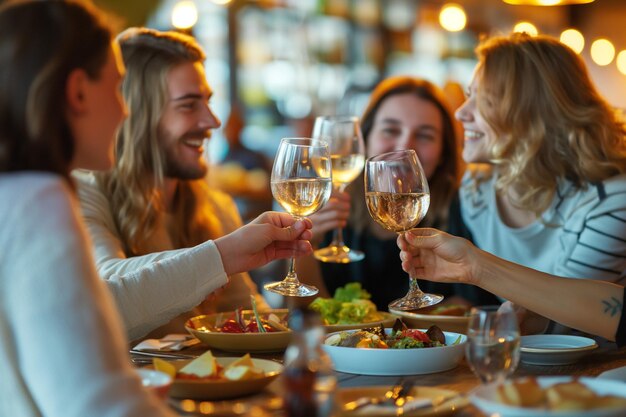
x: 134, y: 185
x: 550, y: 121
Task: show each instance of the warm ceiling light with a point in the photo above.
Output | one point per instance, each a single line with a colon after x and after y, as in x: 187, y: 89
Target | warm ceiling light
x: 546, y: 2
x: 184, y: 15
x: 602, y: 52
x: 526, y: 27
x: 574, y: 39
x: 452, y: 17
x: 621, y: 62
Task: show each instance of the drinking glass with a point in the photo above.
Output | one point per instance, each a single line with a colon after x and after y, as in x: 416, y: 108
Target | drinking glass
x: 301, y: 183
x: 493, y: 343
x: 397, y: 197
x: 347, y: 154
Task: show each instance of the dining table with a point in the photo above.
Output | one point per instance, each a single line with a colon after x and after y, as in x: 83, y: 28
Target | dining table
x: 460, y: 379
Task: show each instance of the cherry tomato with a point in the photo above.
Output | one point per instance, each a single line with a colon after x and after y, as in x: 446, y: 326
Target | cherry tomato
x: 252, y: 327
x: 417, y: 335
x: 231, y: 326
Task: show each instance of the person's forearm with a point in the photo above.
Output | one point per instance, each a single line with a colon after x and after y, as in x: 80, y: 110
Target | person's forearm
x: 590, y: 306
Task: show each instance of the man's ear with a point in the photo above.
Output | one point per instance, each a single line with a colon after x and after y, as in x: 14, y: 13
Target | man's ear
x: 75, y: 91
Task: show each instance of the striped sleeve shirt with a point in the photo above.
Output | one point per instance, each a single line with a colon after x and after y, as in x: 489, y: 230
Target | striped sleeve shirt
x: 581, y: 235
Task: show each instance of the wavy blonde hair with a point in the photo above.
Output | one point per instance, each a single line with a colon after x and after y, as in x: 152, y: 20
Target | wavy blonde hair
x: 550, y: 121
x: 134, y: 185
x: 444, y: 183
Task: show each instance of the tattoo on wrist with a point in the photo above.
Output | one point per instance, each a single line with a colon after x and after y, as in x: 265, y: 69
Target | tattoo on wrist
x: 612, y: 306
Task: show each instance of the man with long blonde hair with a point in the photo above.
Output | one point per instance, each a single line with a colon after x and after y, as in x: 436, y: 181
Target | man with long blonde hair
x: 155, y: 206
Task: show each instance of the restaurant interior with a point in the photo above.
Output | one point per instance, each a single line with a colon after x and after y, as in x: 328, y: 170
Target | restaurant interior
x: 539, y: 346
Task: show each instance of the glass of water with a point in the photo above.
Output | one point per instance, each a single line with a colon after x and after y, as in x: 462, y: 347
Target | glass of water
x: 493, y: 343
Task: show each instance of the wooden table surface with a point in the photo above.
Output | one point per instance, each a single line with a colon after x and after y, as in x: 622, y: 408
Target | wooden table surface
x: 460, y: 379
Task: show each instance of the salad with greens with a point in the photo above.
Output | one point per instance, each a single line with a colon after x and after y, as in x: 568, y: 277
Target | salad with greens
x: 350, y: 305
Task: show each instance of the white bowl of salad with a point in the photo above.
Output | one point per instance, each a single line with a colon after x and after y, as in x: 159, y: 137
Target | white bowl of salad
x: 395, y: 352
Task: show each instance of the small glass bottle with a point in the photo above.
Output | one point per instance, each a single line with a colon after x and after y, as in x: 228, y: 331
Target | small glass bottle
x: 309, y: 377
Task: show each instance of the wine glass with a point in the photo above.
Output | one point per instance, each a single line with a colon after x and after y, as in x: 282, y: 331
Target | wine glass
x: 493, y: 343
x: 301, y: 182
x: 397, y: 197
x: 347, y: 155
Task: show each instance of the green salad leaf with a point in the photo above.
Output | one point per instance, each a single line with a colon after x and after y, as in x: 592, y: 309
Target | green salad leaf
x: 350, y: 305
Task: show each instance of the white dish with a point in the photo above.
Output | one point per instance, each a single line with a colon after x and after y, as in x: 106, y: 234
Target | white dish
x: 398, y: 361
x: 554, y: 349
x: 484, y: 398
x: 456, y: 324
x: 454, y: 403
x: 617, y: 374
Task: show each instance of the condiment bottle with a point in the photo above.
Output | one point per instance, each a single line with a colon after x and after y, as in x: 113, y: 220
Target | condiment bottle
x: 309, y: 378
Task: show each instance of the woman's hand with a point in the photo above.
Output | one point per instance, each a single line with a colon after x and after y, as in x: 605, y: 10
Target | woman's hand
x: 270, y: 236
x: 437, y: 256
x: 332, y: 216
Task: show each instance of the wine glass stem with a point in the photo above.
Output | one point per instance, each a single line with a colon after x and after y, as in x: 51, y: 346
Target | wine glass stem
x: 338, y: 232
x: 414, y: 288
x: 292, y: 278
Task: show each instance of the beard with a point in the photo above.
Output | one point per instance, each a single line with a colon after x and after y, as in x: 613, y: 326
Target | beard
x: 177, y: 168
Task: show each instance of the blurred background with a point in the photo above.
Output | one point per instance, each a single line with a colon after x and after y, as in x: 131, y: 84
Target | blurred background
x: 286, y: 61
x: 274, y: 65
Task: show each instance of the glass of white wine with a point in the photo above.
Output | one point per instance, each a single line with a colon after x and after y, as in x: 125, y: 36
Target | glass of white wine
x: 301, y: 182
x: 493, y: 342
x: 347, y: 154
x: 397, y: 197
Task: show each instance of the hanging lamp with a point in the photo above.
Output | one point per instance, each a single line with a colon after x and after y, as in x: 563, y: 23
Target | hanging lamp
x: 546, y: 2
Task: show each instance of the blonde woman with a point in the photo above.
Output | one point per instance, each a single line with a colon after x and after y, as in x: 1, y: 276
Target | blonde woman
x: 155, y: 207
x: 553, y: 193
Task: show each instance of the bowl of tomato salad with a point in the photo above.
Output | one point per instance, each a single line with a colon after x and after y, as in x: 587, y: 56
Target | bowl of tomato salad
x: 395, y: 351
x: 242, y: 331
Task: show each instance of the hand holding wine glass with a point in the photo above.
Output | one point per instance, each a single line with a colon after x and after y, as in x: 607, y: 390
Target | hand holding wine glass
x: 397, y: 197
x: 301, y: 183
x: 347, y: 153
x: 493, y: 343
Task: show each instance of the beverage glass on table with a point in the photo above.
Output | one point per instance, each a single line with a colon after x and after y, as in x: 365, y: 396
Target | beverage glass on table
x: 347, y: 154
x: 397, y: 197
x: 493, y: 343
x: 301, y: 183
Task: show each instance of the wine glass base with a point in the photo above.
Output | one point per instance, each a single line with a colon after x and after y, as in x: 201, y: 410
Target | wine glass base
x: 406, y: 304
x: 289, y: 290
x: 338, y: 254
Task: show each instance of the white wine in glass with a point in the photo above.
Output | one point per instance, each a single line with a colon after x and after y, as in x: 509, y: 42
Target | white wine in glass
x: 397, y: 198
x: 301, y: 182
x: 347, y: 154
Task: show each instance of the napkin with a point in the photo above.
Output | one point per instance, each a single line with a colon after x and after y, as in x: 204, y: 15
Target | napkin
x: 171, y: 342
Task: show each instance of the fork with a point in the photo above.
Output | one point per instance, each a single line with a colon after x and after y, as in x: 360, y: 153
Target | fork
x: 395, y: 396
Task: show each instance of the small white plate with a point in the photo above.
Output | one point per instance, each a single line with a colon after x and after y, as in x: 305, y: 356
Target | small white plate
x: 617, y: 374
x: 484, y: 397
x: 555, y: 349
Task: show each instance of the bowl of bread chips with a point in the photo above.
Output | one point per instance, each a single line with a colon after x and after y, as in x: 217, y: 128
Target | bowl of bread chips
x: 552, y: 396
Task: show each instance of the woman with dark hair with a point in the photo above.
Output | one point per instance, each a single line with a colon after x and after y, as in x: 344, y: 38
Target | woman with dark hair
x: 403, y: 113
x: 62, y: 348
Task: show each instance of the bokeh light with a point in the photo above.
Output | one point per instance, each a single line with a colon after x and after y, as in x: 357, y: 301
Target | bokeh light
x: 184, y: 15
x: 525, y: 27
x: 452, y: 17
x: 602, y: 52
x: 574, y: 39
